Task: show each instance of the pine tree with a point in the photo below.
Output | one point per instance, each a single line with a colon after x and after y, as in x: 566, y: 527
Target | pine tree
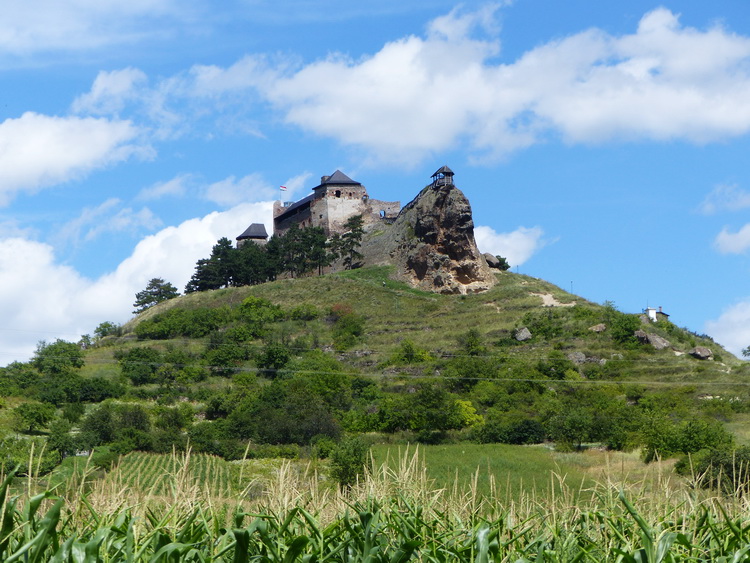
x: 351, y: 240
x: 156, y: 291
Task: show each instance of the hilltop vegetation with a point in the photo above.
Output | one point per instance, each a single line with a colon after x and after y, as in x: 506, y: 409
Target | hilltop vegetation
x: 292, y: 366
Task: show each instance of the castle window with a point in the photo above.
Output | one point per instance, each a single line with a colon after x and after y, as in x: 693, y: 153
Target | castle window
x: 338, y: 193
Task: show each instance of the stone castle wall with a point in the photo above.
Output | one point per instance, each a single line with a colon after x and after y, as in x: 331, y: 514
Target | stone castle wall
x: 330, y: 209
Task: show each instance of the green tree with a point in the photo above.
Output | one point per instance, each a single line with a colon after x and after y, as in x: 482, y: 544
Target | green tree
x: 58, y: 358
x: 504, y: 266
x: 156, y: 291
x: 351, y: 240
x: 251, y: 265
x: 317, y: 255
x: 217, y: 271
x: 349, y: 460
x: 60, y: 439
x: 108, y: 328
x: 99, y: 426
x: 140, y: 364
x: 275, y: 355
x: 571, y: 427
x: 16, y: 378
x: 32, y: 416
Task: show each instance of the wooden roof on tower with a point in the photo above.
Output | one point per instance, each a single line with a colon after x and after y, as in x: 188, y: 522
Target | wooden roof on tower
x: 255, y: 231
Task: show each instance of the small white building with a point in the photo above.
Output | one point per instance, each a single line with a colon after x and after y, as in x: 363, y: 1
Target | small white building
x: 655, y: 314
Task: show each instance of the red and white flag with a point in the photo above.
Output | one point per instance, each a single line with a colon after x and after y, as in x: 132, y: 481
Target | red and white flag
x: 282, y: 188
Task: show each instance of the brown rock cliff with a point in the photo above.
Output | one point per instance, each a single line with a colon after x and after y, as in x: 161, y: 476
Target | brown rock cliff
x: 431, y: 243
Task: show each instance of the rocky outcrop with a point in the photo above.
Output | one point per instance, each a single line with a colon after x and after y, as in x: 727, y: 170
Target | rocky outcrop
x: 654, y: 340
x: 702, y: 353
x: 492, y: 261
x: 432, y: 245
x: 658, y: 342
x: 523, y: 334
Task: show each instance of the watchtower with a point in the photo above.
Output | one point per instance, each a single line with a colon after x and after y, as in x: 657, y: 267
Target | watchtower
x: 443, y: 177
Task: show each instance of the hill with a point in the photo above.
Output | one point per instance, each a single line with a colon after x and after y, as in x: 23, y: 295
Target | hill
x: 394, y: 313
x: 292, y: 367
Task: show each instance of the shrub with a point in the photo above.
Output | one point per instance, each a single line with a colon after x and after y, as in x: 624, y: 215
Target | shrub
x: 275, y: 355
x: 304, y: 312
x: 349, y: 460
x: 726, y: 469
x: 409, y: 353
x: 140, y: 364
x: 348, y: 327
x: 224, y: 359
x: 192, y: 323
x: 471, y: 343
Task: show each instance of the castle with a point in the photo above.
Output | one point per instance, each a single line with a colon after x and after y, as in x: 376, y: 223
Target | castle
x: 335, y: 200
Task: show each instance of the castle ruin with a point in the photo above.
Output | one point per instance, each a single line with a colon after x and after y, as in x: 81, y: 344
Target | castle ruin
x: 335, y: 200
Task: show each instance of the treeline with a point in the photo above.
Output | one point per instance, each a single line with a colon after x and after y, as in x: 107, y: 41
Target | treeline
x: 296, y: 252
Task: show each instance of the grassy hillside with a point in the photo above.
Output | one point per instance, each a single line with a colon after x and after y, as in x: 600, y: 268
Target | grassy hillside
x: 393, y: 312
x: 290, y: 368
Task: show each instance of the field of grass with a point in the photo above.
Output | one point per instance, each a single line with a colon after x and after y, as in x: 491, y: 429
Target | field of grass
x: 512, y: 473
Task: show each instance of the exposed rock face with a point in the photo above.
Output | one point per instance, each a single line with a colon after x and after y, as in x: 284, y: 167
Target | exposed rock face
x: 601, y: 327
x: 492, y: 261
x: 577, y: 358
x: 523, y: 334
x: 701, y: 353
x: 432, y: 244
x: 641, y: 336
x: 658, y: 342
x: 655, y: 340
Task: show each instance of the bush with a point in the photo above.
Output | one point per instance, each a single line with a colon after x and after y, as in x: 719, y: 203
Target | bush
x: 409, y: 353
x: 726, y: 469
x: 349, y: 460
x: 348, y: 327
x: 275, y: 355
x: 140, y: 364
x: 191, y: 323
x: 224, y: 359
x: 256, y: 313
x: 304, y: 312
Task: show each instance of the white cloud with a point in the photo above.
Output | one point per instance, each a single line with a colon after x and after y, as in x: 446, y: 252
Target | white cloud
x: 176, y: 187
x: 250, y: 188
x: 732, y: 328
x: 42, y: 299
x: 516, y: 247
x: 38, y: 298
x: 422, y: 94
x: 37, y: 151
x: 111, y: 91
x: 125, y: 220
x: 232, y: 191
x: 45, y: 25
x: 725, y: 197
x: 419, y: 95
x: 733, y: 243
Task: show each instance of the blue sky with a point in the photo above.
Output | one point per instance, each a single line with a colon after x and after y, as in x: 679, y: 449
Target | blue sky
x: 602, y: 144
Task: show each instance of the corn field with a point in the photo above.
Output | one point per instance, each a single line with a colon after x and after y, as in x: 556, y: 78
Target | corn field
x: 156, y: 473
x: 392, y: 515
